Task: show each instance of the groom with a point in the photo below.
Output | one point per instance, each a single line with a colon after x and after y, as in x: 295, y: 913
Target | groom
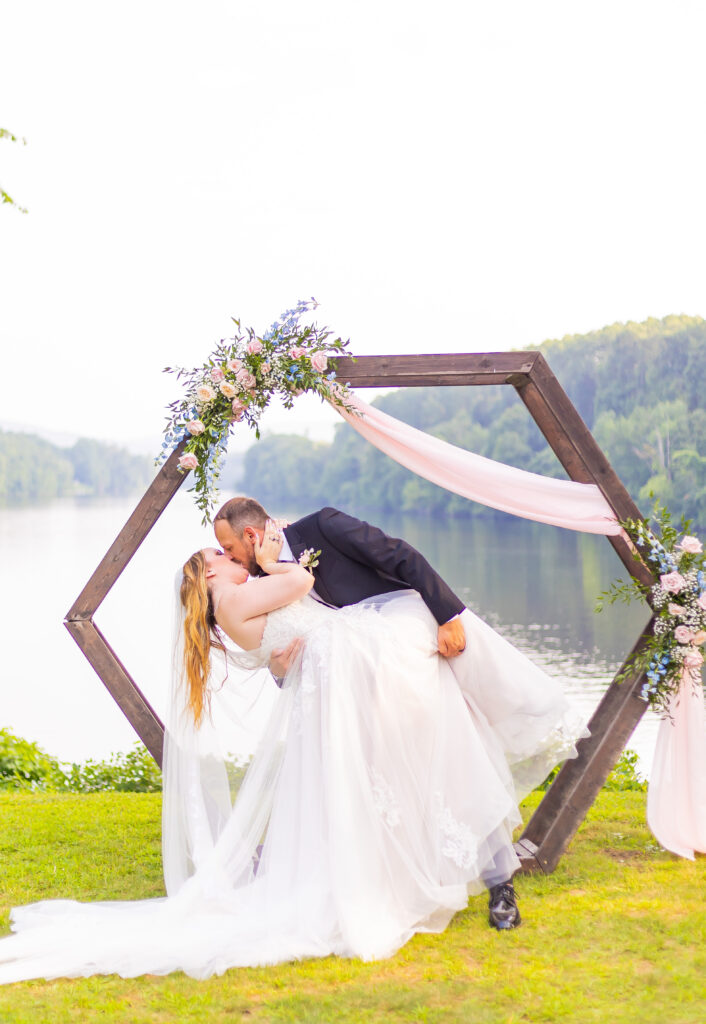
x: 357, y: 561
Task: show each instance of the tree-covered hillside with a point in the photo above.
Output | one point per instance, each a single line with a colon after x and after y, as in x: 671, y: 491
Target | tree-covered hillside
x: 32, y: 469
x: 638, y: 386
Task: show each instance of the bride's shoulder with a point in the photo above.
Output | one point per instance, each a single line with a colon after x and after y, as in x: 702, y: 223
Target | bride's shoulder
x: 239, y: 615
x: 238, y: 597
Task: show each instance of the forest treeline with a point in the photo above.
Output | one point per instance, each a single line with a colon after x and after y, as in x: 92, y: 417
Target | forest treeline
x: 32, y: 469
x: 638, y: 386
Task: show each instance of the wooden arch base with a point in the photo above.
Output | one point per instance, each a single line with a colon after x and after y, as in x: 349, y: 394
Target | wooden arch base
x: 572, y: 793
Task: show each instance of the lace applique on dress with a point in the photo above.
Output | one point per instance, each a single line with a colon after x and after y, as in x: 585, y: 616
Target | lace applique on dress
x: 298, y: 620
x: 556, y: 746
x: 459, y: 845
x: 293, y: 620
x: 384, y: 799
x: 315, y: 673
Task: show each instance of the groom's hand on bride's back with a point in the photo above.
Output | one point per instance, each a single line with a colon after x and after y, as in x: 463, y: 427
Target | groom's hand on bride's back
x: 451, y: 638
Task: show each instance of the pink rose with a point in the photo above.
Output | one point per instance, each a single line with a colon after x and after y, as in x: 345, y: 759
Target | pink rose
x: 228, y: 389
x: 693, y: 659
x: 254, y: 347
x: 683, y: 635
x: 195, y: 427
x: 691, y: 545
x: 234, y: 365
x: 216, y: 374
x: 204, y: 394
x: 297, y: 352
x: 698, y: 637
x: 266, y: 367
x: 238, y: 409
x: 701, y: 600
x: 188, y: 461
x: 672, y: 582
x: 675, y: 609
x: 246, y: 378
x: 319, y: 362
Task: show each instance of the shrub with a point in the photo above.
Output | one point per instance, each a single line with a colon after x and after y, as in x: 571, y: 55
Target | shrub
x: 24, y: 765
x: 623, y: 776
x: 133, y: 772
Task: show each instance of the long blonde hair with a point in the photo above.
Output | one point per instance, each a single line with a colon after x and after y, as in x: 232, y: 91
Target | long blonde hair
x: 200, y: 633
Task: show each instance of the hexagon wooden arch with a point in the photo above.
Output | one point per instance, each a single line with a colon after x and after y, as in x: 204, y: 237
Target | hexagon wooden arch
x: 572, y: 793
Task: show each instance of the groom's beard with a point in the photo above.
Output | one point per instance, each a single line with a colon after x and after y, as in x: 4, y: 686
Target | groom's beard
x: 252, y: 567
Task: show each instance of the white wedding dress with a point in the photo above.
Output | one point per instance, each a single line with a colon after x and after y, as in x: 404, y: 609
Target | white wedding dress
x: 378, y: 798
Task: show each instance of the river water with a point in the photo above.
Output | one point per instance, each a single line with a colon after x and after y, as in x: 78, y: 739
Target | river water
x: 535, y: 584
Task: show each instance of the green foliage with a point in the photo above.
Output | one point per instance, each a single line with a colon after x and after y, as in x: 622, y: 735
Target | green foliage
x: 24, y: 765
x: 671, y: 653
x: 105, y: 470
x: 271, y: 454
x: 237, y: 383
x: 639, y: 388
x: 32, y: 469
x: 4, y: 197
x: 624, y: 776
x: 133, y: 772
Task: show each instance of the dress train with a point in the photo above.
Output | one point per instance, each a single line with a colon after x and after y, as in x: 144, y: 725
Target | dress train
x: 380, y: 795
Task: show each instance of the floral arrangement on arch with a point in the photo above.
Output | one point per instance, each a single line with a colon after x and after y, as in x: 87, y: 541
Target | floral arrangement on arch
x: 237, y: 383
x: 678, y: 599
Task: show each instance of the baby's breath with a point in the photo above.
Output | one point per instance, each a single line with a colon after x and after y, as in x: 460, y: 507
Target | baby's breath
x: 678, y: 599
x: 237, y: 383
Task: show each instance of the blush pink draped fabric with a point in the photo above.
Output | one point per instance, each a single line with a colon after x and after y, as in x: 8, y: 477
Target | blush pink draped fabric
x: 676, y: 797
x: 557, y: 502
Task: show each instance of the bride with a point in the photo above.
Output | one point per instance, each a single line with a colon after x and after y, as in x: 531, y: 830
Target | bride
x: 373, y: 796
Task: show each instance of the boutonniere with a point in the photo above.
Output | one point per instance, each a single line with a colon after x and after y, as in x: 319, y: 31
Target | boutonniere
x: 309, y: 559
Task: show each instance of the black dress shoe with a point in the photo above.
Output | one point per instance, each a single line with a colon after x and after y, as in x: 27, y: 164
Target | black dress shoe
x: 502, y: 907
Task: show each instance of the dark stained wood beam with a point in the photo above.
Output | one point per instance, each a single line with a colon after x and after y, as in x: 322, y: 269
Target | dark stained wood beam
x: 120, y: 684
x: 79, y: 619
x: 452, y: 369
x: 580, y: 455
x: 574, y: 790
x: 156, y: 498
x: 572, y: 793
x: 566, y: 416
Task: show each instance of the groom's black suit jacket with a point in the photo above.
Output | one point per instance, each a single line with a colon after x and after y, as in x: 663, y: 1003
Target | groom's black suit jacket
x: 358, y: 560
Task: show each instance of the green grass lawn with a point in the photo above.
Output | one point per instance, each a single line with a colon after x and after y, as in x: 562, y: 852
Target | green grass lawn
x: 617, y: 933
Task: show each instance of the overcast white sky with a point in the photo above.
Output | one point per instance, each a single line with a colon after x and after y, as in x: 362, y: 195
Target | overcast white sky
x: 442, y: 176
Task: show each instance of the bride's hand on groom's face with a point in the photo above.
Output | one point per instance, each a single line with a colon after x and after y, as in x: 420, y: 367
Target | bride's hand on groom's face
x: 268, y: 549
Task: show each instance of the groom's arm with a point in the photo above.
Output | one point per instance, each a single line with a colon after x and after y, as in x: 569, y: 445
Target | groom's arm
x: 395, y: 557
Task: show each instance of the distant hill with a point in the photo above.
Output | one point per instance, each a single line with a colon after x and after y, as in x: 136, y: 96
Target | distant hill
x: 640, y: 387
x: 34, y: 469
